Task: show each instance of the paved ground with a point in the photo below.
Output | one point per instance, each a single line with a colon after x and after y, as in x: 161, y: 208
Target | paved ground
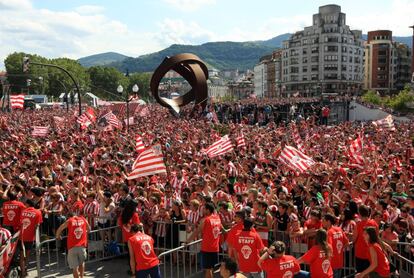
x: 104, y: 269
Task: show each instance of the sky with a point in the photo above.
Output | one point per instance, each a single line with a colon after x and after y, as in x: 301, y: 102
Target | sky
x: 75, y: 28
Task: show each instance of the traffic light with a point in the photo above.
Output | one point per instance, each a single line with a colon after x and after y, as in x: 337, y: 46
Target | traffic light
x: 26, y: 63
x: 29, y: 82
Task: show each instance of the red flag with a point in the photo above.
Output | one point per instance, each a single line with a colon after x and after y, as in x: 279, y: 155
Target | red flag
x: 296, y: 137
x: 387, y: 123
x: 144, y: 112
x: 355, y: 151
x: 220, y: 147
x: 295, y: 159
x: 112, y: 120
x: 149, y: 162
x: 7, y: 253
x: 139, y: 144
x: 17, y: 101
x: 40, y: 131
x: 241, y: 143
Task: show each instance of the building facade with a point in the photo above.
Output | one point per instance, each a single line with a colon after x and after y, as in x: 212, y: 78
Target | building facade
x: 326, y: 57
x: 260, y: 79
x: 387, y: 63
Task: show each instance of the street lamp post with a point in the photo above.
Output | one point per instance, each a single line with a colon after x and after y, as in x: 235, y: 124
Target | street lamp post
x: 120, y: 90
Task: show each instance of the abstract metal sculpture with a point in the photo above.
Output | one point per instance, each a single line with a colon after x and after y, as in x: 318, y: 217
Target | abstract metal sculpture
x: 192, y: 69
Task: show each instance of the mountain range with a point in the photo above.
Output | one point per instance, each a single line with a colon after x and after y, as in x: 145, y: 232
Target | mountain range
x: 219, y: 55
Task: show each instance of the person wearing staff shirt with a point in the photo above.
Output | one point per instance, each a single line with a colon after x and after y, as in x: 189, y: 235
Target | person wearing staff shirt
x: 143, y: 260
x: 338, y: 240
x: 276, y: 264
x: 361, y: 246
x: 318, y: 257
x: 248, y: 245
x: 209, y: 230
x: 379, y: 266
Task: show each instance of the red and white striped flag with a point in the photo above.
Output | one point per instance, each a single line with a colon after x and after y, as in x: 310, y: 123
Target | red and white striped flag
x: 220, y: 147
x: 355, y: 151
x: 112, y: 120
x: 59, y: 122
x: 40, y: 131
x: 296, y: 137
x: 84, y: 121
x: 295, y: 159
x: 7, y: 253
x: 386, y: 123
x: 149, y: 162
x: 17, y: 101
x: 139, y: 144
x: 241, y: 143
x: 144, y: 112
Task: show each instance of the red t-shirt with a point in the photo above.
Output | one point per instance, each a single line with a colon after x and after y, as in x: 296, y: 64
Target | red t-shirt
x: 29, y: 220
x: 231, y: 235
x: 320, y: 265
x: 338, y: 239
x: 77, y: 232
x: 143, y: 247
x: 248, y: 245
x: 12, y: 211
x: 383, y: 266
x: 77, y: 207
x: 361, y: 247
x: 126, y: 233
x: 211, y: 234
x: 285, y: 266
x: 309, y: 224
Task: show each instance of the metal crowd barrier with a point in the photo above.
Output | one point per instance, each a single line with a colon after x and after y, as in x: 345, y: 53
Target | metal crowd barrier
x: 403, y: 260
x: 51, y: 254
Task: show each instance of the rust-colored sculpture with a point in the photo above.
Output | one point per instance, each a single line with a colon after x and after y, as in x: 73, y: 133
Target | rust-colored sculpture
x: 192, y: 69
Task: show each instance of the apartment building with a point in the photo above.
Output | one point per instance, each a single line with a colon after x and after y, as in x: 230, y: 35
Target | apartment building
x: 326, y: 57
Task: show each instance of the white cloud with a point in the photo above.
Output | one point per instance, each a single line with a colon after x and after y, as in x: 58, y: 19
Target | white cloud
x: 90, y: 9
x: 397, y: 19
x: 15, y: 4
x: 177, y: 31
x: 189, y: 5
x: 77, y: 33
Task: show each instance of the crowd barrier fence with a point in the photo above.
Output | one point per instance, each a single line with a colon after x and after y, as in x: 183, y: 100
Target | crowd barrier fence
x: 177, y: 259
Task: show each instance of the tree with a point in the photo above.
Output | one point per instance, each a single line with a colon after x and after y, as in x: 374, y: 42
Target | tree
x: 372, y: 97
x: 105, y: 81
x: 54, y: 80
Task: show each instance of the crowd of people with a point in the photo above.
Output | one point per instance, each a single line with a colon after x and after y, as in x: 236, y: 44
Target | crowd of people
x: 246, y: 203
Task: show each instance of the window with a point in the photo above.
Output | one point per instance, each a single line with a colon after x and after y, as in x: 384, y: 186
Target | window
x: 314, y: 59
x: 305, y: 78
x: 315, y: 49
x: 304, y: 51
x: 314, y: 77
x: 343, y: 67
x: 331, y: 57
x: 344, y: 49
x: 331, y: 67
x: 294, y: 70
x: 305, y: 69
x: 314, y: 68
x: 304, y: 59
x: 344, y: 58
x: 331, y: 48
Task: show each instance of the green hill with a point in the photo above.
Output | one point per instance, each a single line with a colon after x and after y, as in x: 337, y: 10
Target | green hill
x: 101, y: 59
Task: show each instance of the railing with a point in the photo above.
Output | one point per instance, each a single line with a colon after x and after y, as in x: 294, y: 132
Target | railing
x: 51, y: 254
x: 185, y: 257
x: 177, y: 260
